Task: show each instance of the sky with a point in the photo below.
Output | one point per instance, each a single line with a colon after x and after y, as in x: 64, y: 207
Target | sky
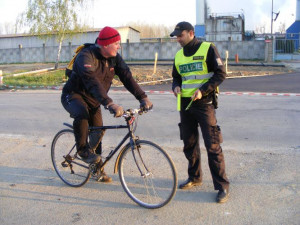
x: 118, y: 13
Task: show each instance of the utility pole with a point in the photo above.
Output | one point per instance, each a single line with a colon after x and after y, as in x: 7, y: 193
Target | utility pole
x: 272, y: 21
x: 272, y: 13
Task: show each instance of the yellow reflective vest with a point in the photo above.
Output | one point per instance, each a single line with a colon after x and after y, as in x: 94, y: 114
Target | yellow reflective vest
x: 193, y: 69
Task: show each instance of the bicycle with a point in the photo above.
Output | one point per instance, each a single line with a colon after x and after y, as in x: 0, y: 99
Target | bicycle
x: 146, y: 171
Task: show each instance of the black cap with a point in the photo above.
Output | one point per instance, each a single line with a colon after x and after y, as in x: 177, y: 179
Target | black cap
x: 181, y: 27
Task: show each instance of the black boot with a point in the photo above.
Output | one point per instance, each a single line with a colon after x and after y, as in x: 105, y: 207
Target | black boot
x: 189, y: 184
x: 222, y: 196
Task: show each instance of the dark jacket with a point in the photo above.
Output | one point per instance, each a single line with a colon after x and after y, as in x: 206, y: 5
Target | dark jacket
x: 93, y: 74
x: 214, y: 64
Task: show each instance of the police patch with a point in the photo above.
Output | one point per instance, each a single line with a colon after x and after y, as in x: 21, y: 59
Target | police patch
x: 198, y: 57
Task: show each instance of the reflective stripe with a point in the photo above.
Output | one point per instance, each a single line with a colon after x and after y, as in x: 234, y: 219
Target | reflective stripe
x: 189, y: 86
x: 197, y: 77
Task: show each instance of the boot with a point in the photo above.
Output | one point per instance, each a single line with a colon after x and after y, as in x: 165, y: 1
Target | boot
x: 89, y: 157
x: 104, y: 178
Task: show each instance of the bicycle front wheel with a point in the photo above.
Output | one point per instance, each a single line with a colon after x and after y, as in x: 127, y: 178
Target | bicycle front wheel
x: 148, y: 174
x: 71, y: 169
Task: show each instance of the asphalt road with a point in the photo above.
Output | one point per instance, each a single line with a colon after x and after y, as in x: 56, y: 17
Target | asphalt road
x: 261, y: 147
x: 282, y: 83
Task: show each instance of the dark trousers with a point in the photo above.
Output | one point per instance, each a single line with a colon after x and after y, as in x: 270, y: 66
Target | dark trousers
x: 84, y: 116
x: 203, y: 115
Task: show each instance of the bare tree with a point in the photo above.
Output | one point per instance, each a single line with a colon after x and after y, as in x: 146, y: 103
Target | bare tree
x: 151, y: 31
x: 7, y: 28
x: 281, y: 27
x: 48, y: 17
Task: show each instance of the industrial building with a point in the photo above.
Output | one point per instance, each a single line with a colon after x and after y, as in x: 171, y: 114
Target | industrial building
x: 293, y: 32
x: 218, y: 27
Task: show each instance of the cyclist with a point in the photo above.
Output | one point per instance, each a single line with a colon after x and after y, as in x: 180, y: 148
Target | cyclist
x: 93, y: 70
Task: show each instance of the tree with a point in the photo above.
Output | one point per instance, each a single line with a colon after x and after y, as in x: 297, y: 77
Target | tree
x: 49, y: 17
x: 281, y: 27
x: 7, y: 28
x: 151, y: 31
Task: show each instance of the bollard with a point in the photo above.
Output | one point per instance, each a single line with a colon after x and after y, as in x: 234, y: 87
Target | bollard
x: 1, y: 78
x: 237, y: 58
x: 155, y: 62
x: 226, y: 61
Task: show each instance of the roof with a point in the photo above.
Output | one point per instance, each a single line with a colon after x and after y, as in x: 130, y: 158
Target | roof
x: 294, y: 28
x: 86, y: 31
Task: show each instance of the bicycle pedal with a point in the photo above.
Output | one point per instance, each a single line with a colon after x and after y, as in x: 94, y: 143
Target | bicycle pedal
x: 94, y: 169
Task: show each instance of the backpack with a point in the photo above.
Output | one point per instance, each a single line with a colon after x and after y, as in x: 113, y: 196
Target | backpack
x: 69, y: 68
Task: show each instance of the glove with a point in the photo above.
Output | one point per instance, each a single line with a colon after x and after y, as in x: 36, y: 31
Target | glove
x: 146, y: 104
x: 115, y: 109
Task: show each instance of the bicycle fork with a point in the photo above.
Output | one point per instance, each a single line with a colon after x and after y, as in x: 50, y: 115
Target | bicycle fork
x: 135, y: 149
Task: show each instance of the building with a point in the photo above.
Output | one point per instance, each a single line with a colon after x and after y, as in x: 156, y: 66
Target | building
x: 229, y: 27
x: 293, y: 32
x: 34, y: 41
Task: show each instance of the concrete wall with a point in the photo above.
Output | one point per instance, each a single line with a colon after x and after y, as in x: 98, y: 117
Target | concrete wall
x: 246, y: 50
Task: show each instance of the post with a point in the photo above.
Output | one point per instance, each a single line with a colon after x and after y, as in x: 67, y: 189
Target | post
x: 20, y: 53
x: 155, y: 62
x: 226, y: 60
x: 44, y: 52
x: 237, y: 58
x: 272, y: 21
x: 1, y: 78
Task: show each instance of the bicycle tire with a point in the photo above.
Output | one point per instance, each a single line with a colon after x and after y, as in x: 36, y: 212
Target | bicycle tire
x: 71, y: 170
x: 158, y: 186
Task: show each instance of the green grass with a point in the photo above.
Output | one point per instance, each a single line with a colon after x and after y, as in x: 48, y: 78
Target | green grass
x: 51, y: 78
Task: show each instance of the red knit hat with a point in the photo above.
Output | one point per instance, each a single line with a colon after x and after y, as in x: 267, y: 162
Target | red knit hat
x: 107, y: 36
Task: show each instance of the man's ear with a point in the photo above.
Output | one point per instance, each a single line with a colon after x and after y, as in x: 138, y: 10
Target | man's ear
x: 192, y: 33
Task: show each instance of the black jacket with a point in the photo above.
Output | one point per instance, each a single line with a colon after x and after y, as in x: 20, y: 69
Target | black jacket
x: 93, y: 74
x: 214, y: 64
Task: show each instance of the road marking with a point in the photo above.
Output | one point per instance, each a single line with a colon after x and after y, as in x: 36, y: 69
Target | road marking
x: 12, y: 136
x: 225, y: 93
x: 13, y: 88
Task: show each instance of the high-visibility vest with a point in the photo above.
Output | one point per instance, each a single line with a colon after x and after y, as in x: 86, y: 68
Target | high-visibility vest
x: 193, y: 69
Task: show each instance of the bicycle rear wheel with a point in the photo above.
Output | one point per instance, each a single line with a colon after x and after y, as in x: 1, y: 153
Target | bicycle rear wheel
x: 147, y: 174
x: 71, y: 169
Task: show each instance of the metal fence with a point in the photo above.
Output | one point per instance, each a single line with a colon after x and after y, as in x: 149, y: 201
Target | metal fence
x: 288, y: 45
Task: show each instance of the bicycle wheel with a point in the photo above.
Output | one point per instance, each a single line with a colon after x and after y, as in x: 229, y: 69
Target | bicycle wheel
x: 71, y: 169
x: 147, y: 174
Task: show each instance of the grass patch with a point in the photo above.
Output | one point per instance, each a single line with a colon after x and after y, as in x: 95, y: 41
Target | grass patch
x: 50, y: 78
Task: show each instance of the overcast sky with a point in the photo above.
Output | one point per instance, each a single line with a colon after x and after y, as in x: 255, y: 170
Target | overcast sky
x: 169, y: 12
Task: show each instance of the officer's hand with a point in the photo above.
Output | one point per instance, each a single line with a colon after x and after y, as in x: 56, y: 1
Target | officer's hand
x: 177, y: 91
x: 197, y: 95
x: 115, y: 109
x: 146, y: 104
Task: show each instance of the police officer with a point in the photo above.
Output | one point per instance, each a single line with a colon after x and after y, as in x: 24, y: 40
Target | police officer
x: 197, y: 72
x: 93, y: 71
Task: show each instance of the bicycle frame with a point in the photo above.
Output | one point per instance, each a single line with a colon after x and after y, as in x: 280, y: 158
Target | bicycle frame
x: 130, y: 135
x: 139, y: 163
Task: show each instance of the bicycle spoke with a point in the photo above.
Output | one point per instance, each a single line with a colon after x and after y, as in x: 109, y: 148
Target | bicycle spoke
x: 148, y: 177
x: 68, y: 166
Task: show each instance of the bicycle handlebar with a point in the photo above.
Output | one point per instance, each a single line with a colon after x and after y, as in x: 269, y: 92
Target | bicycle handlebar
x: 132, y: 112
